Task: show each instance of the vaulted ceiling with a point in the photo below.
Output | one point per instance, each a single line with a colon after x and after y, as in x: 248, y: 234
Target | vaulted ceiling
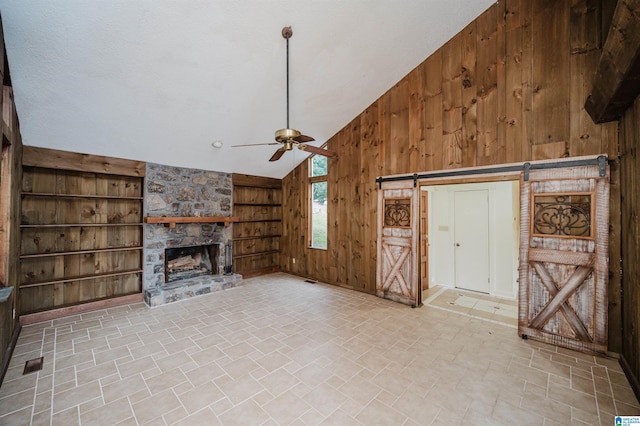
x: 161, y: 80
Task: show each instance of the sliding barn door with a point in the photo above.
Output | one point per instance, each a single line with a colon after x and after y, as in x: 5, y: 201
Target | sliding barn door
x: 563, y: 256
x: 398, y: 237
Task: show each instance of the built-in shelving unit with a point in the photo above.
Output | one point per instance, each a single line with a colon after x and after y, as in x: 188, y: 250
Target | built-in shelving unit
x: 257, y: 203
x: 81, y: 232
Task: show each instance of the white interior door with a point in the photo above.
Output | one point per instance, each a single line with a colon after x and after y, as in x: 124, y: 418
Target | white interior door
x: 471, y: 240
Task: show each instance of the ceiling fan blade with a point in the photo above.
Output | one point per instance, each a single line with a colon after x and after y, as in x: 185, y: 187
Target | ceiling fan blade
x: 316, y: 150
x: 256, y: 144
x: 303, y: 138
x: 276, y: 155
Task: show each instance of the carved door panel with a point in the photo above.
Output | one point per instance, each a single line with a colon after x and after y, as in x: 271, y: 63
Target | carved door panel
x: 397, y: 263
x: 563, y: 257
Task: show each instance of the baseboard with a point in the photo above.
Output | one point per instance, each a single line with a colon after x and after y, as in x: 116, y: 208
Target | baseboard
x: 80, y: 309
x: 9, y: 352
x: 634, y: 381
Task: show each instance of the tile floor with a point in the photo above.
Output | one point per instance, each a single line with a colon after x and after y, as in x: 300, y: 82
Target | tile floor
x: 277, y: 350
x: 476, y: 305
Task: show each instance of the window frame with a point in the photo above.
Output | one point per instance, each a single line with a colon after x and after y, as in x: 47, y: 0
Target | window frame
x: 311, y: 181
x: 534, y: 212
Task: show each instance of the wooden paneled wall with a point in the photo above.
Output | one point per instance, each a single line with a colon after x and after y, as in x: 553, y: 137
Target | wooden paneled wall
x: 10, y: 177
x: 509, y: 87
x: 630, y: 232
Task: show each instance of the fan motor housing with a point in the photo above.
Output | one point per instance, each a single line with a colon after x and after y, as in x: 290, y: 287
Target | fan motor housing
x: 283, y: 135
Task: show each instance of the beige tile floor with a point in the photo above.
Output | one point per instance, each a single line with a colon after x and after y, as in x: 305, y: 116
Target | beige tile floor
x: 473, y: 304
x: 277, y: 350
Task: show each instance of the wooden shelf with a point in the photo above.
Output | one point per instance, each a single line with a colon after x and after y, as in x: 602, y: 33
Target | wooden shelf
x: 82, y: 225
x: 259, y: 204
x: 171, y: 221
x: 80, y: 278
x: 257, y: 237
x: 259, y: 220
x: 261, y: 253
x: 67, y: 253
x: 105, y: 197
x: 255, y: 182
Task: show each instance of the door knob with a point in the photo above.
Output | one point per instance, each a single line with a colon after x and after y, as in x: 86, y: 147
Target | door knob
x: 457, y: 244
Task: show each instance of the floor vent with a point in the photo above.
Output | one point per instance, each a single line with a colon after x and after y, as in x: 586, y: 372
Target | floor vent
x: 33, y: 365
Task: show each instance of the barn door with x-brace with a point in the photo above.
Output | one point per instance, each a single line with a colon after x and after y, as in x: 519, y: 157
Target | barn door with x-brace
x: 564, y: 255
x: 397, y: 264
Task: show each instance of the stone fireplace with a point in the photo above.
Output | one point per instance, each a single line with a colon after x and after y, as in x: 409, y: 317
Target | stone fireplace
x: 185, y: 259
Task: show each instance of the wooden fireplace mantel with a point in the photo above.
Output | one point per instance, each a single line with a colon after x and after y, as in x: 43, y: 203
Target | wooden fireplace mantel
x: 171, y: 221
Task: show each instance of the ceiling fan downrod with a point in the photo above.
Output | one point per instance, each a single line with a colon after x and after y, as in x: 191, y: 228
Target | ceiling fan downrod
x: 287, y: 33
x: 288, y: 137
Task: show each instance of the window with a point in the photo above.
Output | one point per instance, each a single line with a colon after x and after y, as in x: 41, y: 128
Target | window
x: 318, y: 202
x: 563, y: 215
x: 397, y: 212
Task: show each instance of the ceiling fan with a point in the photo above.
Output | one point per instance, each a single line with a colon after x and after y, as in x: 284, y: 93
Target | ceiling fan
x: 289, y: 137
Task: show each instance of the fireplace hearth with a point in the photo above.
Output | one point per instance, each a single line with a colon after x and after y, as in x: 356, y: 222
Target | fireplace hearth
x: 188, y: 271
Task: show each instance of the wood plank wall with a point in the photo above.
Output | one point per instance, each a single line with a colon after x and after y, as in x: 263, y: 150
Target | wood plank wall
x: 10, y: 176
x: 509, y: 87
x: 630, y: 232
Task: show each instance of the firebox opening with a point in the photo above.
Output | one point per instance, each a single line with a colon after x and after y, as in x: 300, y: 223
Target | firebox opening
x: 188, y: 262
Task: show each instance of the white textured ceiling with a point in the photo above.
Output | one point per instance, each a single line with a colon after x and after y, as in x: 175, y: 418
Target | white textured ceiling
x: 160, y: 80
